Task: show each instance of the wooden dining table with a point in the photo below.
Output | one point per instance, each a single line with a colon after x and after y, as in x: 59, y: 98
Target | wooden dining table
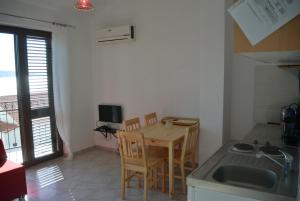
x: 160, y: 135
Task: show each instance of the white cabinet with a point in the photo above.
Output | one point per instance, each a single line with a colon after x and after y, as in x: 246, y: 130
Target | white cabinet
x: 200, y: 194
x: 282, y: 47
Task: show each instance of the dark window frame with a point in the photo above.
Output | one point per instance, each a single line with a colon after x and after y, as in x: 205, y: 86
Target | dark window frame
x: 25, y: 112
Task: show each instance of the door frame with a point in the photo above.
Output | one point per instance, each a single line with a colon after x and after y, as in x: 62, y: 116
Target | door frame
x: 23, y: 94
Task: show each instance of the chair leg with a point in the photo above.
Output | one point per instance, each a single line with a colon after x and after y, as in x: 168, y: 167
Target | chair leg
x: 163, y: 181
x: 139, y: 182
x: 127, y: 175
x: 183, y: 178
x: 155, y: 178
x: 193, y: 161
x: 151, y: 178
x: 145, y: 186
x: 123, y: 183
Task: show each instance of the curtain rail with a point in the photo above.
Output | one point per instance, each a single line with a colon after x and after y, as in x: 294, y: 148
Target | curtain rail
x: 38, y: 20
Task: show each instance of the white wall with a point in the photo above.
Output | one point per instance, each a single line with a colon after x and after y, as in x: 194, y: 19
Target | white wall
x: 239, y: 81
x: 274, y: 89
x: 228, y: 73
x: 81, y: 88
x: 242, y: 98
x: 258, y: 94
x: 175, y: 67
x: 79, y: 52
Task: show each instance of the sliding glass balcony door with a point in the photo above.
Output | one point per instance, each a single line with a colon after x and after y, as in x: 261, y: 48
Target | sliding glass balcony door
x: 37, y: 136
x: 9, y: 115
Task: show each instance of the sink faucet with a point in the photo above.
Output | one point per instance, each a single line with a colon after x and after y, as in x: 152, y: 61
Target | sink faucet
x: 288, y: 161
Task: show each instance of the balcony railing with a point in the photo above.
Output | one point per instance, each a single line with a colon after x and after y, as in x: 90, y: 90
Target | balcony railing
x: 10, y: 129
x: 9, y: 124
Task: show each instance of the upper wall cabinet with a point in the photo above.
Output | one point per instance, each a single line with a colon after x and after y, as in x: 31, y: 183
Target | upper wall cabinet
x: 281, y: 48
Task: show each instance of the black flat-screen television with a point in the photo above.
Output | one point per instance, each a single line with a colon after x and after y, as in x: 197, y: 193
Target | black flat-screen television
x: 110, y: 113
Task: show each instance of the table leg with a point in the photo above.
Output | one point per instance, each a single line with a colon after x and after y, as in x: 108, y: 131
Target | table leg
x: 171, y: 169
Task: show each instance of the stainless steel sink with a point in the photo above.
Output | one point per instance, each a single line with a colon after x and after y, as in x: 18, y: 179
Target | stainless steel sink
x: 245, y: 177
x: 243, y: 170
x: 243, y: 174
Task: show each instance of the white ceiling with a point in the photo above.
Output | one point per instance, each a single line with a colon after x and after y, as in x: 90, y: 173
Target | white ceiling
x: 67, y: 5
x: 51, y: 4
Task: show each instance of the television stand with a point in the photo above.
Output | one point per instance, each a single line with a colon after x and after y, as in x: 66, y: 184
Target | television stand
x: 106, y: 131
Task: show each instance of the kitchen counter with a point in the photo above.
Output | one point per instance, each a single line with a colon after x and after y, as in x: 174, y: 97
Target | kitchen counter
x: 203, y: 186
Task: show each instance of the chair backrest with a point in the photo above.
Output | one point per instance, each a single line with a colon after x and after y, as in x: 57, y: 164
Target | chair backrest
x: 132, y: 124
x: 151, y: 119
x: 190, y: 141
x: 132, y: 148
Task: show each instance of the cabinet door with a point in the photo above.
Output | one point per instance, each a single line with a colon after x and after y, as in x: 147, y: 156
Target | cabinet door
x: 199, y: 194
x: 284, y: 39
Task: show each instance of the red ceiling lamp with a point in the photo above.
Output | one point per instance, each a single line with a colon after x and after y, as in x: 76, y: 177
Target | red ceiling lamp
x: 84, y: 5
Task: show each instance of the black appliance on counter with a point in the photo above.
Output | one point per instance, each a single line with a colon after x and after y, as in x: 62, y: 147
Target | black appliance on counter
x: 290, y: 120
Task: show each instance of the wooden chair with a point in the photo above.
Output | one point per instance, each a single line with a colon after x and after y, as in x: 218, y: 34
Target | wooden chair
x: 188, y: 153
x: 134, y: 159
x: 132, y: 124
x: 151, y: 119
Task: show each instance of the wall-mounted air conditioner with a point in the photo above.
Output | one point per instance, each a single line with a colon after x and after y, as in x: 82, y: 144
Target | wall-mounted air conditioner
x: 115, y: 34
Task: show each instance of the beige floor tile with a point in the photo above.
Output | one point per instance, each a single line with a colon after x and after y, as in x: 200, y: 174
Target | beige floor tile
x: 91, y: 176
